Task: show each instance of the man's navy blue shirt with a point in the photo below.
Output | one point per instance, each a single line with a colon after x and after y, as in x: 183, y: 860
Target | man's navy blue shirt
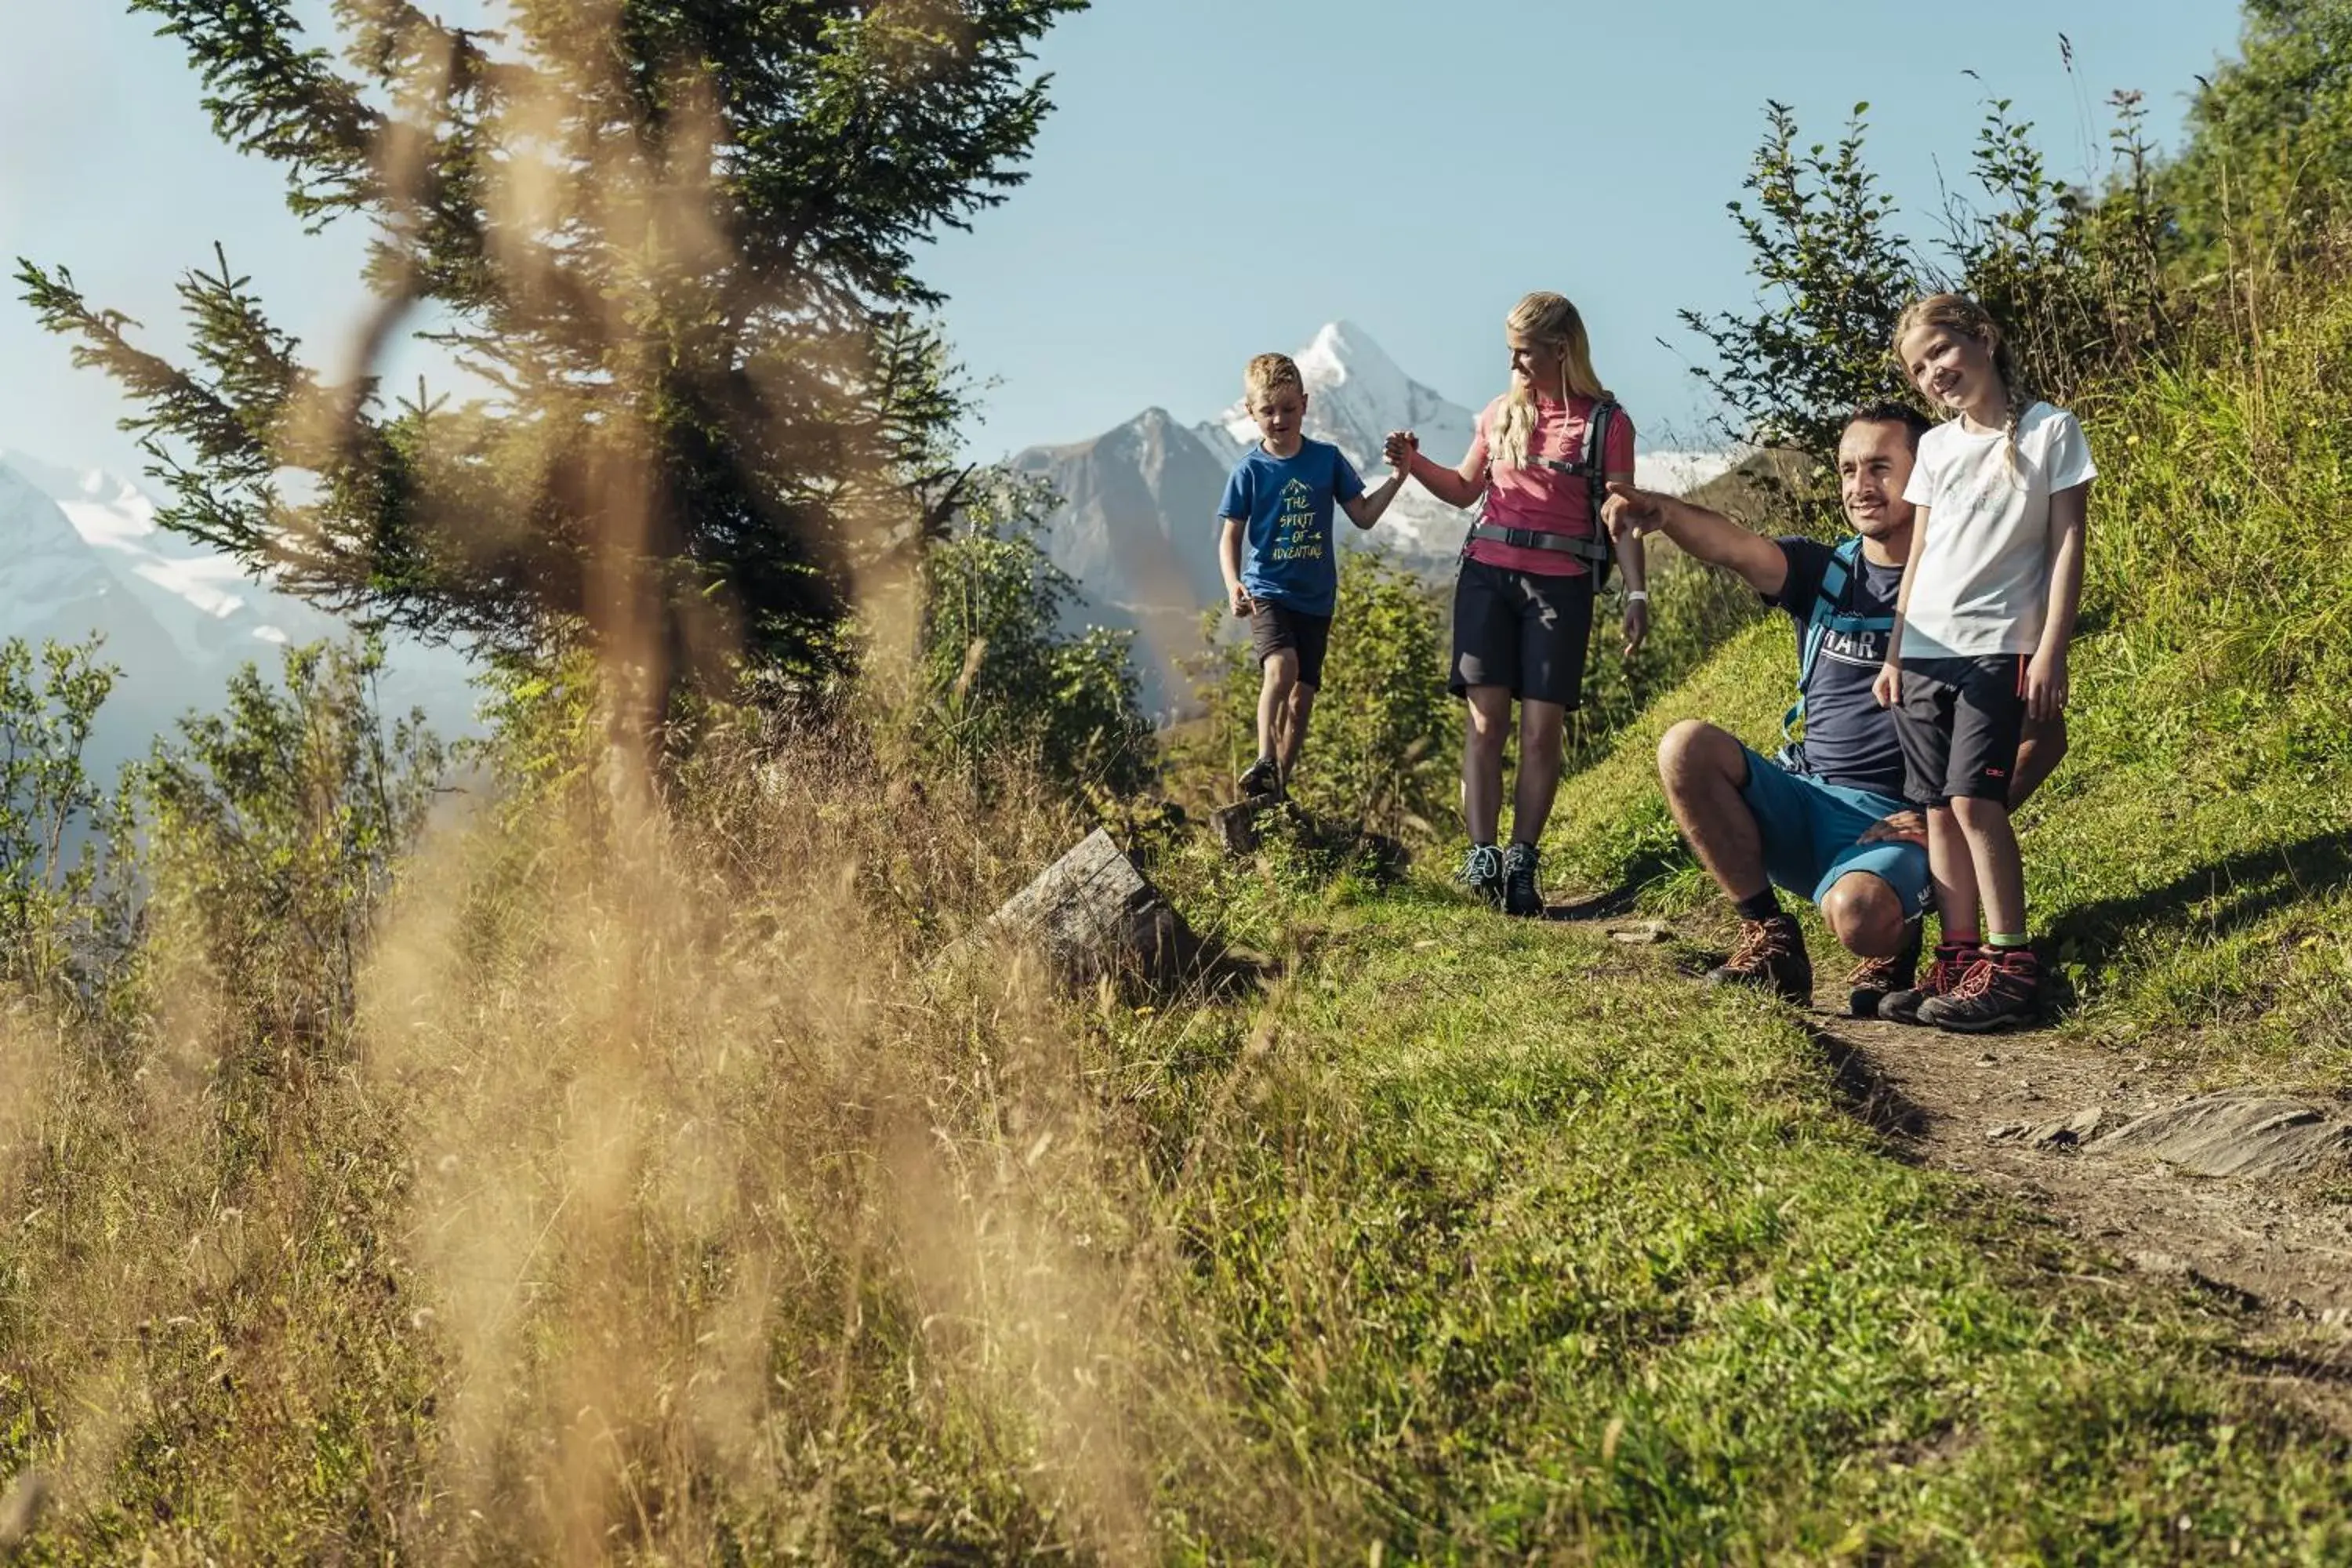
x: 1848, y: 737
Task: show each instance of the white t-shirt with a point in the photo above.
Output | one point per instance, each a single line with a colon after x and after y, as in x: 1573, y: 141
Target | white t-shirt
x: 1980, y: 581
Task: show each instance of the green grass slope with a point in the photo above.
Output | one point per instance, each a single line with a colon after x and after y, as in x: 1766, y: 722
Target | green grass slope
x: 1524, y: 1248
x: 2190, y: 862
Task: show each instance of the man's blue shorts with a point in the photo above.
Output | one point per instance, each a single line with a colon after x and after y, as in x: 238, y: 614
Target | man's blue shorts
x: 1811, y: 833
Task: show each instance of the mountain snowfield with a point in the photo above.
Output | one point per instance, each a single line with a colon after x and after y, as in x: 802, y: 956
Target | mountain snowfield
x: 1137, y: 528
x: 85, y: 555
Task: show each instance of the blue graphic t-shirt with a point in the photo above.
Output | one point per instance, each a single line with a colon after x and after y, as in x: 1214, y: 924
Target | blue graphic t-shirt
x: 1286, y: 505
x: 1848, y: 737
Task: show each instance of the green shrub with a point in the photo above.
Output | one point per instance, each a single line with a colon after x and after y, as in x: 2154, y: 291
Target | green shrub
x: 1383, y: 744
x: 998, y: 676
x: 277, y: 827
x: 64, y: 896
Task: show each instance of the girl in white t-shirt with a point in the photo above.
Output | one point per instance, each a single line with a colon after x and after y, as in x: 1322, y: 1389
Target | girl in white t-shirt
x: 1988, y: 606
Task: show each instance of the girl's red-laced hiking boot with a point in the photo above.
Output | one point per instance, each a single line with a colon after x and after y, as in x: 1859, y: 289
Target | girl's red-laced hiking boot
x: 1944, y: 974
x: 1874, y: 980
x: 1771, y: 955
x: 2002, y: 986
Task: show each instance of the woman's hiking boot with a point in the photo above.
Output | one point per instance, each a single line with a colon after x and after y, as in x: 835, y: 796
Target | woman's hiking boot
x: 1771, y: 955
x: 1482, y: 873
x: 2001, y: 986
x: 1874, y: 980
x: 1262, y: 777
x: 1521, y: 895
x: 1902, y: 1006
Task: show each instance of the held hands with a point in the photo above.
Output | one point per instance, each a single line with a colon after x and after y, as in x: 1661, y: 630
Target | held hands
x: 1399, y: 449
x: 2045, y: 686
x: 1887, y: 690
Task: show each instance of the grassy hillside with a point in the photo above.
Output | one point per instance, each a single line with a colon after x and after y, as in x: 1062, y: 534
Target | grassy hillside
x: 642, y: 1193
x: 2190, y: 862
x: 607, y: 1173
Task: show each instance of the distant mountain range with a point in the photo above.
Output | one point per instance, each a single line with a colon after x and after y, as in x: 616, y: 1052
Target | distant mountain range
x: 81, y: 554
x: 1137, y: 526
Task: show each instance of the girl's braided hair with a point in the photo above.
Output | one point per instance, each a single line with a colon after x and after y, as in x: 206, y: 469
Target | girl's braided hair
x: 1548, y: 319
x: 1958, y: 314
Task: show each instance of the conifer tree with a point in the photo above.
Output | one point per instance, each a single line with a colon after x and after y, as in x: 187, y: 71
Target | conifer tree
x: 671, y: 244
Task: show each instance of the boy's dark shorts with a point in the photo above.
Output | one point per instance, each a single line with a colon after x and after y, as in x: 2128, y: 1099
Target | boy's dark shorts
x: 1275, y: 625
x: 1523, y: 630
x: 1958, y: 724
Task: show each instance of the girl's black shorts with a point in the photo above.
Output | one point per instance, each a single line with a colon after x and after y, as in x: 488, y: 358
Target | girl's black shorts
x: 1958, y: 723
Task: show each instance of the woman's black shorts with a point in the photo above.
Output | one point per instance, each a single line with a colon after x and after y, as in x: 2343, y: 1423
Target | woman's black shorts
x: 1523, y: 630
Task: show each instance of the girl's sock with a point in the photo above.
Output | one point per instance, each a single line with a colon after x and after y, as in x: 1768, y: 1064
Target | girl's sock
x: 2005, y: 940
x: 1763, y: 906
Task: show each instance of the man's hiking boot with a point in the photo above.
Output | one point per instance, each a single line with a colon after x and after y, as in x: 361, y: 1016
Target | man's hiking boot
x: 1771, y: 955
x: 1875, y: 979
x: 2001, y: 986
x: 1482, y: 873
x: 1262, y: 777
x: 1902, y: 1006
x: 1521, y: 896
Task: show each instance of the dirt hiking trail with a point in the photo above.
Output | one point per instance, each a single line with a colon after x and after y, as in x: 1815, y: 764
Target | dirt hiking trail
x: 2222, y: 1194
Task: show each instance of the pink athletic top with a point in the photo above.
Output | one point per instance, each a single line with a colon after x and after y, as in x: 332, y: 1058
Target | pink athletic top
x: 1544, y: 499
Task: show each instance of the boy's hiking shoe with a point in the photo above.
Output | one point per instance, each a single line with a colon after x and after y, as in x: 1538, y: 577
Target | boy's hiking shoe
x: 1771, y: 955
x: 1482, y: 873
x: 2001, y: 987
x: 1521, y: 896
x: 1875, y: 979
x: 1262, y: 777
x: 1902, y: 1006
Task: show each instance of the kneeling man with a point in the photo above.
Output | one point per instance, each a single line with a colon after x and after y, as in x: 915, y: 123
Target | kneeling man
x: 1816, y: 820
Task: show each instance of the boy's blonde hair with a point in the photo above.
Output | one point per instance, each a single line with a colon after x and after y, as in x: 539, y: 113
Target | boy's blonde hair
x: 1548, y: 319
x: 1265, y: 374
x: 1958, y: 314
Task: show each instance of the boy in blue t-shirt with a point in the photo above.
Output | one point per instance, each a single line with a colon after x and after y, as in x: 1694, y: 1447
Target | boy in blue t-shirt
x: 1280, y: 561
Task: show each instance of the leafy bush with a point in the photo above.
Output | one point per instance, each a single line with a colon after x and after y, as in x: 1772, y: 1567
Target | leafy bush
x: 2267, y: 168
x: 998, y: 675
x: 1385, y: 742
x: 1832, y: 276
x: 2076, y: 280
x: 277, y: 828
x: 64, y: 902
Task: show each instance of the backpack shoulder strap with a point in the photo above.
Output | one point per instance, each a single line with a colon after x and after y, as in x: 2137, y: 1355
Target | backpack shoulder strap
x: 1597, y: 428
x: 1829, y: 599
x: 1598, y: 424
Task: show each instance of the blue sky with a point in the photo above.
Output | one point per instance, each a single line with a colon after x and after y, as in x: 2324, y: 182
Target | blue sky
x: 1221, y: 176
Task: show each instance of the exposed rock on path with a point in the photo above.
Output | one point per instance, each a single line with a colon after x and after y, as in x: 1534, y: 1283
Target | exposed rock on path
x: 2217, y: 1192
x: 2225, y: 1193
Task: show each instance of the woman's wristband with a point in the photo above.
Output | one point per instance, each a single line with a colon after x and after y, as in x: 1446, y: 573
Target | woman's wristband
x: 1637, y: 595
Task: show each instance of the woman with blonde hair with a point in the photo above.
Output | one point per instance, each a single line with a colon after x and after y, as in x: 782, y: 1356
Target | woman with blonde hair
x: 1523, y: 602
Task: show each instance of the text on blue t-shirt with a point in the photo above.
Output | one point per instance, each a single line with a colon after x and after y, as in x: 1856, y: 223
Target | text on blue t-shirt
x: 1286, y: 505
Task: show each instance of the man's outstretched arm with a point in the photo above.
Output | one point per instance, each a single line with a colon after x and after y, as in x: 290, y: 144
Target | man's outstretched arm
x: 1701, y: 533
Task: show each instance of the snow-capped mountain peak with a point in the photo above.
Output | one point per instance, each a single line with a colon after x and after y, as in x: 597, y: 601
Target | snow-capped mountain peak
x: 1355, y: 395
x: 87, y: 555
